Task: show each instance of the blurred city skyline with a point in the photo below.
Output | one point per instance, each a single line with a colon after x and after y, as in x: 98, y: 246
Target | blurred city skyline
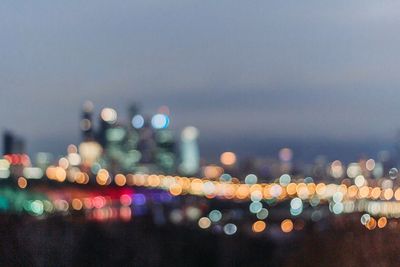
x: 245, y: 74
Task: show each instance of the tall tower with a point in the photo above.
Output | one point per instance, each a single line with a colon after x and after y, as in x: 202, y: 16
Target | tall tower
x: 8, y: 140
x: 108, y: 119
x: 86, y: 123
x: 133, y: 111
x: 165, y: 144
x: 190, y: 154
x: 13, y: 144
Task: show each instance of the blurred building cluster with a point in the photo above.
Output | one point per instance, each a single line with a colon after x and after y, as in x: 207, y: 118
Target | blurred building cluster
x: 146, y: 144
x: 141, y: 143
x: 143, y: 152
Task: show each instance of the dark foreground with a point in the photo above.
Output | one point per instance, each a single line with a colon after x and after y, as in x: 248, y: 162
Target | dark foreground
x: 65, y: 242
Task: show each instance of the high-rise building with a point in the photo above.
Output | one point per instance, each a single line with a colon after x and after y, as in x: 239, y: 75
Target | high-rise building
x: 190, y: 155
x: 145, y: 145
x: 86, y: 124
x: 164, y: 153
x: 133, y: 111
x: 13, y: 144
x: 108, y: 117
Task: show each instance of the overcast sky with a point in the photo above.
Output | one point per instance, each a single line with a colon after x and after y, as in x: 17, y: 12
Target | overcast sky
x: 236, y: 69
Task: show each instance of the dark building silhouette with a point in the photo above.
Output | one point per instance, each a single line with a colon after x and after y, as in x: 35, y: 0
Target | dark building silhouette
x: 12, y: 144
x: 87, y: 122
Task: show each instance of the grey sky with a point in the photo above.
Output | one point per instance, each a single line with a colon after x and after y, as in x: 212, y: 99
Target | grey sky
x: 293, y: 69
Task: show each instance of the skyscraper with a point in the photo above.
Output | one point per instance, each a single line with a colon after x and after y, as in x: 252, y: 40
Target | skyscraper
x: 86, y: 124
x: 190, y: 154
x: 12, y: 144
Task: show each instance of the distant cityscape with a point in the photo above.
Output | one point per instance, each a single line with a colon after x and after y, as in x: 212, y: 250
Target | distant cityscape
x: 148, y: 145
x: 142, y: 169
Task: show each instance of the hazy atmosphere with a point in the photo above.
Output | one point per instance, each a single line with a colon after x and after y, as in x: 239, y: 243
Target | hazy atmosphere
x: 199, y: 133
x: 267, y: 69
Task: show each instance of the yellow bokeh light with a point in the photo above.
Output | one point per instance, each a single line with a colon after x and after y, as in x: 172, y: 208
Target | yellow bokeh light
x: 109, y: 115
x: 228, y: 158
x: 242, y: 192
x: 77, y: 204
x: 382, y: 222
x: 120, y: 179
x: 371, y: 224
x: 375, y: 193
x: 363, y: 192
x: 287, y: 226
x: 259, y: 226
x: 51, y: 172
x: 22, y: 182
x: 388, y: 194
x: 320, y: 189
x: 397, y: 194
x: 175, y: 190
x: 204, y: 223
x: 153, y: 180
x: 61, y: 174
x: 291, y: 189
x: 102, y: 177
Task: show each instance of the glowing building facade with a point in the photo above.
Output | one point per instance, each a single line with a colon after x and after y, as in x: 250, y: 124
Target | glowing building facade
x: 145, y: 145
x: 190, y: 154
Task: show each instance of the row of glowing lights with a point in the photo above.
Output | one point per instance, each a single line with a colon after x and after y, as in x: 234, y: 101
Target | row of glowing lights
x: 74, y: 159
x: 341, y: 197
x: 287, y: 226
x: 285, y: 189
x: 336, y: 169
x: 215, y: 216
x: 371, y: 223
x: 98, y: 206
x: 303, y: 190
x: 184, y: 185
x: 99, y: 212
x: 281, y: 190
